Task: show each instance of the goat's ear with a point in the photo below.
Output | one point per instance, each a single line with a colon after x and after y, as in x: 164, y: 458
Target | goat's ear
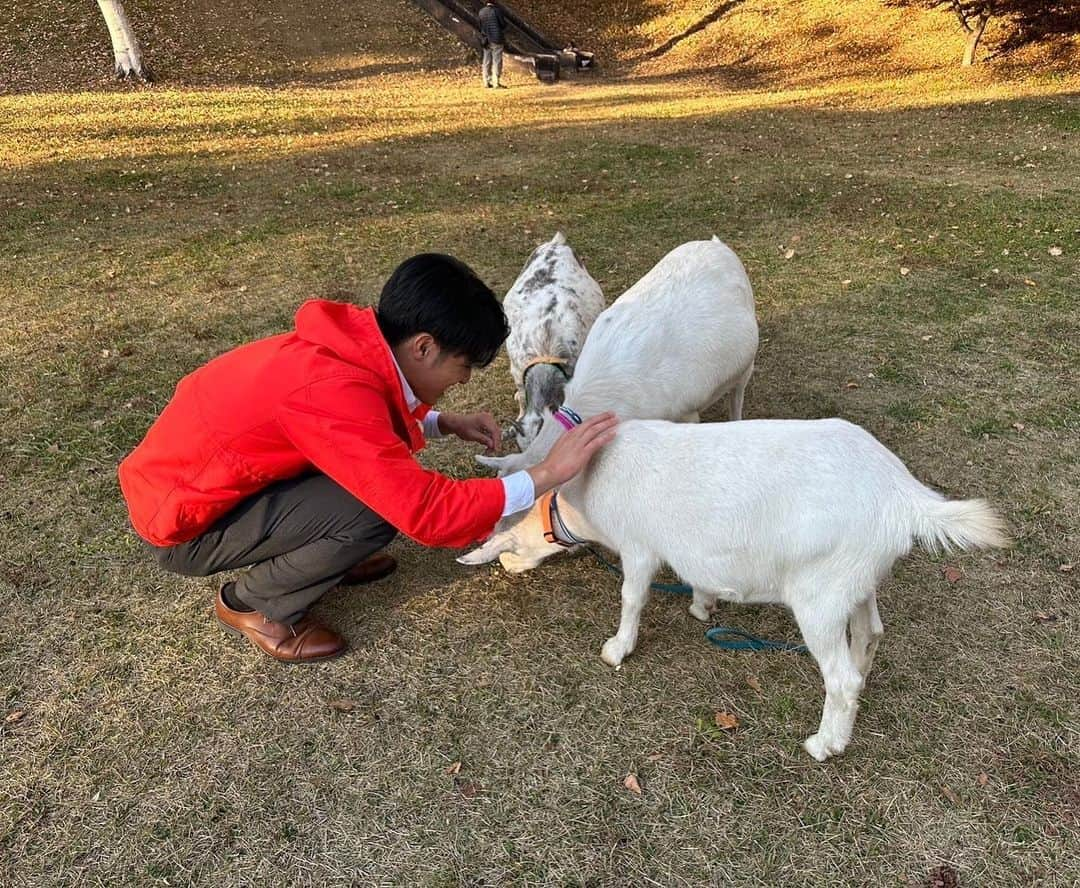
x: 496, y: 544
x: 503, y: 465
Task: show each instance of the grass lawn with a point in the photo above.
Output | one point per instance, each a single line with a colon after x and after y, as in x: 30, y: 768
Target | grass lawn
x: 914, y: 248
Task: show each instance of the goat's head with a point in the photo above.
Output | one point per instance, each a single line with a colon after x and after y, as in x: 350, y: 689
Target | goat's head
x: 518, y: 543
x: 545, y: 388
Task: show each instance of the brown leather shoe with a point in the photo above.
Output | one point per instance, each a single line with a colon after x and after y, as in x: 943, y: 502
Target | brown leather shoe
x: 370, y: 569
x: 307, y: 641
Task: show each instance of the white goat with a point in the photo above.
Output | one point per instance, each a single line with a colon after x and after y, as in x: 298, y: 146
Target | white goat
x: 810, y: 514
x: 551, y: 307
x: 673, y: 344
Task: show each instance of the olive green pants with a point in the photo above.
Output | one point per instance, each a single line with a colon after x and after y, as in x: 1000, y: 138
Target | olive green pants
x: 297, y: 538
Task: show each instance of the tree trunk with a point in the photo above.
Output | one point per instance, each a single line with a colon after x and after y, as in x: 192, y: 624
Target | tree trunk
x: 973, y: 38
x: 125, y: 45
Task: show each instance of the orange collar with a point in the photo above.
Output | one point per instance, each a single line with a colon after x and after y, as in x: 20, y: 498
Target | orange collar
x: 549, y: 515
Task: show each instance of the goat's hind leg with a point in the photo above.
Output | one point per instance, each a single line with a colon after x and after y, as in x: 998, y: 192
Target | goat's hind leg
x: 866, y: 631
x: 637, y: 573
x: 735, y: 397
x: 824, y: 632
x: 703, y: 605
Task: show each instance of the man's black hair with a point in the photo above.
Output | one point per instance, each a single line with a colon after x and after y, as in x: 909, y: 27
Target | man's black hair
x: 441, y: 295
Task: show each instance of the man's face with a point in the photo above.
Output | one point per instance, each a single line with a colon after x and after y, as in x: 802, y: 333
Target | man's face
x: 435, y: 371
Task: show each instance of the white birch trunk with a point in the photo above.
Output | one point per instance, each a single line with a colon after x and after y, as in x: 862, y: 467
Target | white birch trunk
x: 125, y: 45
x: 974, y: 35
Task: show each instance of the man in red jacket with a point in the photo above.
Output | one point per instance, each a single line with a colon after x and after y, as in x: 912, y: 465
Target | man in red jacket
x: 293, y: 456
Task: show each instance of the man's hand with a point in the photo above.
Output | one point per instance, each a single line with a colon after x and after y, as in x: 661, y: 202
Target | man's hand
x: 572, y: 452
x: 480, y: 428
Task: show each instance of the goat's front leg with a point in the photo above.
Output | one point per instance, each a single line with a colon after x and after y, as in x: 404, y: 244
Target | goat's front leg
x: 637, y: 573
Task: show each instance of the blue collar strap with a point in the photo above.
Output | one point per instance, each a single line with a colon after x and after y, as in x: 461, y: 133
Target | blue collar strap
x: 567, y: 418
x: 555, y: 529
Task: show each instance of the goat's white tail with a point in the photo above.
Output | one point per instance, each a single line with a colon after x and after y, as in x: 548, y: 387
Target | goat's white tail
x: 959, y: 524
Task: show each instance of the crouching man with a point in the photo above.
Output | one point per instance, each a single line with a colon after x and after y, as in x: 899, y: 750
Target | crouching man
x: 293, y: 456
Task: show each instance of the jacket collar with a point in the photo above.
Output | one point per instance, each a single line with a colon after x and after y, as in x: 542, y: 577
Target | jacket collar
x: 353, y: 334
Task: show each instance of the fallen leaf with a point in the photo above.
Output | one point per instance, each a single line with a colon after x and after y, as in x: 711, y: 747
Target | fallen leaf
x: 455, y: 768
x: 983, y: 779
x: 467, y: 788
x: 726, y: 721
x: 952, y: 574
x: 943, y: 877
x: 342, y: 705
x: 1065, y: 568
x: 14, y: 716
x: 631, y: 783
x: 1046, y: 617
x: 950, y: 795
x: 754, y: 683
x: 1030, y: 282
x: 1019, y: 426
x: 655, y: 757
x: 845, y: 282
x: 851, y: 385
x: 789, y: 253
x: 904, y: 270
x: 927, y: 338
x: 1054, y: 251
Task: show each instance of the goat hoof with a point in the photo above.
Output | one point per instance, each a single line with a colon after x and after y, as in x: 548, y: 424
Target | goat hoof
x: 819, y: 748
x: 612, y: 652
x: 699, y: 612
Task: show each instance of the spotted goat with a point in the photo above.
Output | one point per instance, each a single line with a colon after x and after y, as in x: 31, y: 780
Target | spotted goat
x: 550, y: 307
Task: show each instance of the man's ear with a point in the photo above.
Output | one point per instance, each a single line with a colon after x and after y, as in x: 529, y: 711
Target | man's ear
x: 423, y: 346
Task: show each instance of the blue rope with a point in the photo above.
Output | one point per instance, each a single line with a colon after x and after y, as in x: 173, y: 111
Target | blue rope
x: 727, y: 638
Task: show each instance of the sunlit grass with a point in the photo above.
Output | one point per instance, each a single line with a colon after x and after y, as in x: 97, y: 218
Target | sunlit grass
x: 38, y: 129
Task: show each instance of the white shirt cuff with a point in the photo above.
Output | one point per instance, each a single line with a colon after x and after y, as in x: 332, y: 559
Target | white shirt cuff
x: 520, y: 492
x: 430, y: 424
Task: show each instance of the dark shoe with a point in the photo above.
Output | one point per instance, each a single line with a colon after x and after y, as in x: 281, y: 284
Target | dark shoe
x: 307, y: 641
x: 370, y: 569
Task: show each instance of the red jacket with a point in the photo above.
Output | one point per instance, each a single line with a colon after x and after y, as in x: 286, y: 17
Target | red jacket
x: 325, y: 397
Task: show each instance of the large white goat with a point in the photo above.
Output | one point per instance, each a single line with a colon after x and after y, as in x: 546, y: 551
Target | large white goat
x: 550, y: 307
x: 807, y: 513
x: 676, y: 342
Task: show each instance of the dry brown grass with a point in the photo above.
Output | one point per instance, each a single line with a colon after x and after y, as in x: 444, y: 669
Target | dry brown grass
x: 144, y: 231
